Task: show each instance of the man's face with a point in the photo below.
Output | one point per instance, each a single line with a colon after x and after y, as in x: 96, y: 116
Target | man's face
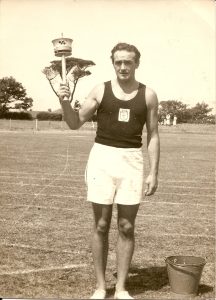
x: 125, y: 65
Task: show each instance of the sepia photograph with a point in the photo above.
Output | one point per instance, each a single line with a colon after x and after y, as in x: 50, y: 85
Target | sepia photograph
x: 107, y: 149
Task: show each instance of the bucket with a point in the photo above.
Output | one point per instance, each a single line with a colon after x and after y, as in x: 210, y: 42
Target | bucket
x: 184, y: 273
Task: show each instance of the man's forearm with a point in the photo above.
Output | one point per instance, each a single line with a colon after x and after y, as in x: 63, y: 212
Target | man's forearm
x: 154, y: 154
x: 71, y: 117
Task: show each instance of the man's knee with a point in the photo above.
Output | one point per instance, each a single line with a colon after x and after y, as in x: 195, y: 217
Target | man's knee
x: 126, y: 228
x: 102, y: 226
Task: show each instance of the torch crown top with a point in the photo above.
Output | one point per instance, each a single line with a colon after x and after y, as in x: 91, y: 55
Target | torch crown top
x: 62, y: 46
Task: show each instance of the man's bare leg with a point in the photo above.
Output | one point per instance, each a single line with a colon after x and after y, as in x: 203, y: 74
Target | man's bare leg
x: 125, y: 244
x: 102, y: 216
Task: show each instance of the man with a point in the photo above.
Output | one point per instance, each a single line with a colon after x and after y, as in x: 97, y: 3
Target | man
x: 114, y: 172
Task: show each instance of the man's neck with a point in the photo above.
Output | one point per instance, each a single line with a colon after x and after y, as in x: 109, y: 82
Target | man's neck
x: 127, y: 86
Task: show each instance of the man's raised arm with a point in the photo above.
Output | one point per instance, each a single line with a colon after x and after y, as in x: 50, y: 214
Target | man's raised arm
x: 75, y: 119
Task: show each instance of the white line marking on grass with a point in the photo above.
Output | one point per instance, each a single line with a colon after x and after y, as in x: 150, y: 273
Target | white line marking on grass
x: 28, y: 175
x: 17, y: 245
x: 38, y: 206
x: 191, y: 195
x: 191, y: 187
x: 177, y: 203
x: 185, y: 181
x: 173, y: 217
x: 62, y: 186
x: 54, y: 156
x: 79, y: 136
x: 57, y: 268
x: 71, y: 209
x: 82, y: 197
x: 45, y: 195
x: 38, y: 185
x: 180, y: 234
x: 42, y: 174
x: 65, y: 251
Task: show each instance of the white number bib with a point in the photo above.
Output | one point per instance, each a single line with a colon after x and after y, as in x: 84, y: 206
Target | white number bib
x: 124, y: 115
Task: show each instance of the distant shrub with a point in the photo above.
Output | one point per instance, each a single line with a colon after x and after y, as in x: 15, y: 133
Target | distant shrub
x: 205, y: 120
x: 44, y: 116
x: 210, y: 119
x: 14, y: 115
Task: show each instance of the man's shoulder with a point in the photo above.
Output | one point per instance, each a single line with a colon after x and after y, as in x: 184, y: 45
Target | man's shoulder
x: 97, y: 92
x: 151, y: 97
x: 150, y: 92
x: 98, y: 87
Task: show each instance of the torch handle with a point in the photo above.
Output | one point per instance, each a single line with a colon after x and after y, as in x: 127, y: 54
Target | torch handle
x: 64, y: 77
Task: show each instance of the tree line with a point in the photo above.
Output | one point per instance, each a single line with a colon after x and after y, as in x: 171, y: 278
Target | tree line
x: 13, y: 96
x: 200, y: 113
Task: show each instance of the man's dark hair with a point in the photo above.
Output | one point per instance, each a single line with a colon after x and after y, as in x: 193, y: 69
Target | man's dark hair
x: 127, y: 47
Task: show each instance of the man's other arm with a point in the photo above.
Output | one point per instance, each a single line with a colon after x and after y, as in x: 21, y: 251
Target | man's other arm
x: 153, y: 141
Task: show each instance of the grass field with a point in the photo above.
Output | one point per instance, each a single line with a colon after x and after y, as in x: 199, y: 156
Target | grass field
x: 46, y: 223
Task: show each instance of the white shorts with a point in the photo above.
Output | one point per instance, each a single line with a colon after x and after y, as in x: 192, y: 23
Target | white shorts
x: 115, y: 175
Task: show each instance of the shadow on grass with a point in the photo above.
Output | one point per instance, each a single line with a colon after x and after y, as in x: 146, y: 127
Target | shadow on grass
x: 145, y: 279
x: 141, y: 280
x: 203, y: 289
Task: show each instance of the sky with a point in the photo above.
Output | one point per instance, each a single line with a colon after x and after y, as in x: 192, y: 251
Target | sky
x: 176, y: 39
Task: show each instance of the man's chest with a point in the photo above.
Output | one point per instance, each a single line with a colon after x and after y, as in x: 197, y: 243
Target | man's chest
x: 124, y: 96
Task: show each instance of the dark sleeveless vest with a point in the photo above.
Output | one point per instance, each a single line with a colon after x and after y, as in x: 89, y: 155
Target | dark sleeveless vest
x: 120, y: 123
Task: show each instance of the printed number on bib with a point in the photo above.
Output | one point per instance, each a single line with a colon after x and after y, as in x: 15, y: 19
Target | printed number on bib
x: 124, y: 115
